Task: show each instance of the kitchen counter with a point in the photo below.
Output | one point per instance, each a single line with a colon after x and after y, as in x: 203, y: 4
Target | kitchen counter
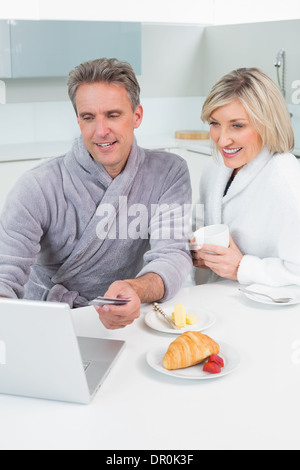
x: 169, y: 142
x: 33, y: 150
x: 256, y: 406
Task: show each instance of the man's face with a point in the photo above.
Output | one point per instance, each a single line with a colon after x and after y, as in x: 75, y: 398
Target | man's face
x: 107, y: 123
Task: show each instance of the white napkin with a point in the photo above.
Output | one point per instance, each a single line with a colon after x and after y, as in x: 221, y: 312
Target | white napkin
x: 291, y: 291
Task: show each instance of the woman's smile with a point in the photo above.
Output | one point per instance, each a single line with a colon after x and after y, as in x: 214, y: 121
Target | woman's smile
x: 237, y: 139
x: 230, y: 153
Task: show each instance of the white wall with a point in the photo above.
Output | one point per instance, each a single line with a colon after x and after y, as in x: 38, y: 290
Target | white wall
x: 172, y: 60
x: 172, y: 11
x: 255, y: 45
x: 252, y: 45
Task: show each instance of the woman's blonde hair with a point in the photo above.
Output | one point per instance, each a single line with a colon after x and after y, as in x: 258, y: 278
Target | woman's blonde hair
x: 263, y: 102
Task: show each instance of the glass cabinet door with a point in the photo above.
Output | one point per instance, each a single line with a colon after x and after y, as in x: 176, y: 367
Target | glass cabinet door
x: 53, y: 48
x: 5, y: 56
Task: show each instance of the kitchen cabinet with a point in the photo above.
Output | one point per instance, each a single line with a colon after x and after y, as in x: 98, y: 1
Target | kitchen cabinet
x: 5, y: 57
x: 196, y: 162
x: 53, y: 48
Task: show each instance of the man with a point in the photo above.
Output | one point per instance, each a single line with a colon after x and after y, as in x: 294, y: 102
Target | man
x: 89, y: 223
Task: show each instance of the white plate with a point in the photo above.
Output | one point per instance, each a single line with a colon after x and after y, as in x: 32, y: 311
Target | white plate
x: 155, y: 321
x: 275, y: 292
x: 230, y: 356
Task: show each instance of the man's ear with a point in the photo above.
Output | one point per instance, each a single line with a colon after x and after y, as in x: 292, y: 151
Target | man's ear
x: 138, y: 116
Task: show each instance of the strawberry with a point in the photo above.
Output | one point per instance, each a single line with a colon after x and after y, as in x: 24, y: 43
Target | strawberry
x: 217, y: 359
x: 212, y: 367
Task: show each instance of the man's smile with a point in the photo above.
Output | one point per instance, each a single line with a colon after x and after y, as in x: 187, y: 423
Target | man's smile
x: 106, y: 145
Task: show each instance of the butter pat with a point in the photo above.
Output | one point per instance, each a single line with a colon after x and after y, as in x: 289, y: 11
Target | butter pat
x: 180, y: 316
x: 191, y: 319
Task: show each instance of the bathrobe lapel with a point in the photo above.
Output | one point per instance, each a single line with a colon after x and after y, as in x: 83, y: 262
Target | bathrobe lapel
x: 215, y: 199
x: 91, y: 176
x: 214, y: 194
x: 247, y: 174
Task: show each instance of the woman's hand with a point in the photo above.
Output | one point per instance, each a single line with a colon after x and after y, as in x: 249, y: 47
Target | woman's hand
x: 224, y: 262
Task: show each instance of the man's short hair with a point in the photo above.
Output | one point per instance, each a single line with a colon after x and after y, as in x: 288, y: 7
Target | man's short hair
x: 104, y: 70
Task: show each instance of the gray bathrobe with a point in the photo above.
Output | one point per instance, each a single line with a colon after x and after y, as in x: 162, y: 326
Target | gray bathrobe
x: 68, y: 230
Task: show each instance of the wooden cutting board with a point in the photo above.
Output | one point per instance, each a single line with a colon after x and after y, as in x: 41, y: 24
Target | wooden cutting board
x: 192, y: 135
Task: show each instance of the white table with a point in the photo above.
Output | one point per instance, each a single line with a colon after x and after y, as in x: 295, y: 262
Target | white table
x: 255, y: 407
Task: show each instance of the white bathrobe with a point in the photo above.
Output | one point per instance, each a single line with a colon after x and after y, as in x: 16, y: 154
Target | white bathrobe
x: 262, y: 210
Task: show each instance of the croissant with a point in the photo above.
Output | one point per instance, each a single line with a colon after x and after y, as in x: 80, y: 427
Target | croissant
x: 189, y: 349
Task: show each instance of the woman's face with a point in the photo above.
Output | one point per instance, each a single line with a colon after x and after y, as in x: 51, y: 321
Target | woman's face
x: 236, y: 137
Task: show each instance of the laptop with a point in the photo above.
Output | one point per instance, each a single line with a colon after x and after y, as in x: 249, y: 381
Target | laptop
x: 41, y: 357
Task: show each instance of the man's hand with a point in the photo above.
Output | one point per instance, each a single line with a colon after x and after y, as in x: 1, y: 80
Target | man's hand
x: 119, y: 316
x: 147, y: 288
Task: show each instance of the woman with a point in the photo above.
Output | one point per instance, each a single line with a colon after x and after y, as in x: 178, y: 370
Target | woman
x: 254, y: 187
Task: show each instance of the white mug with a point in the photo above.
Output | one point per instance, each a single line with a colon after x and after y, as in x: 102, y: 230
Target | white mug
x: 213, y: 235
